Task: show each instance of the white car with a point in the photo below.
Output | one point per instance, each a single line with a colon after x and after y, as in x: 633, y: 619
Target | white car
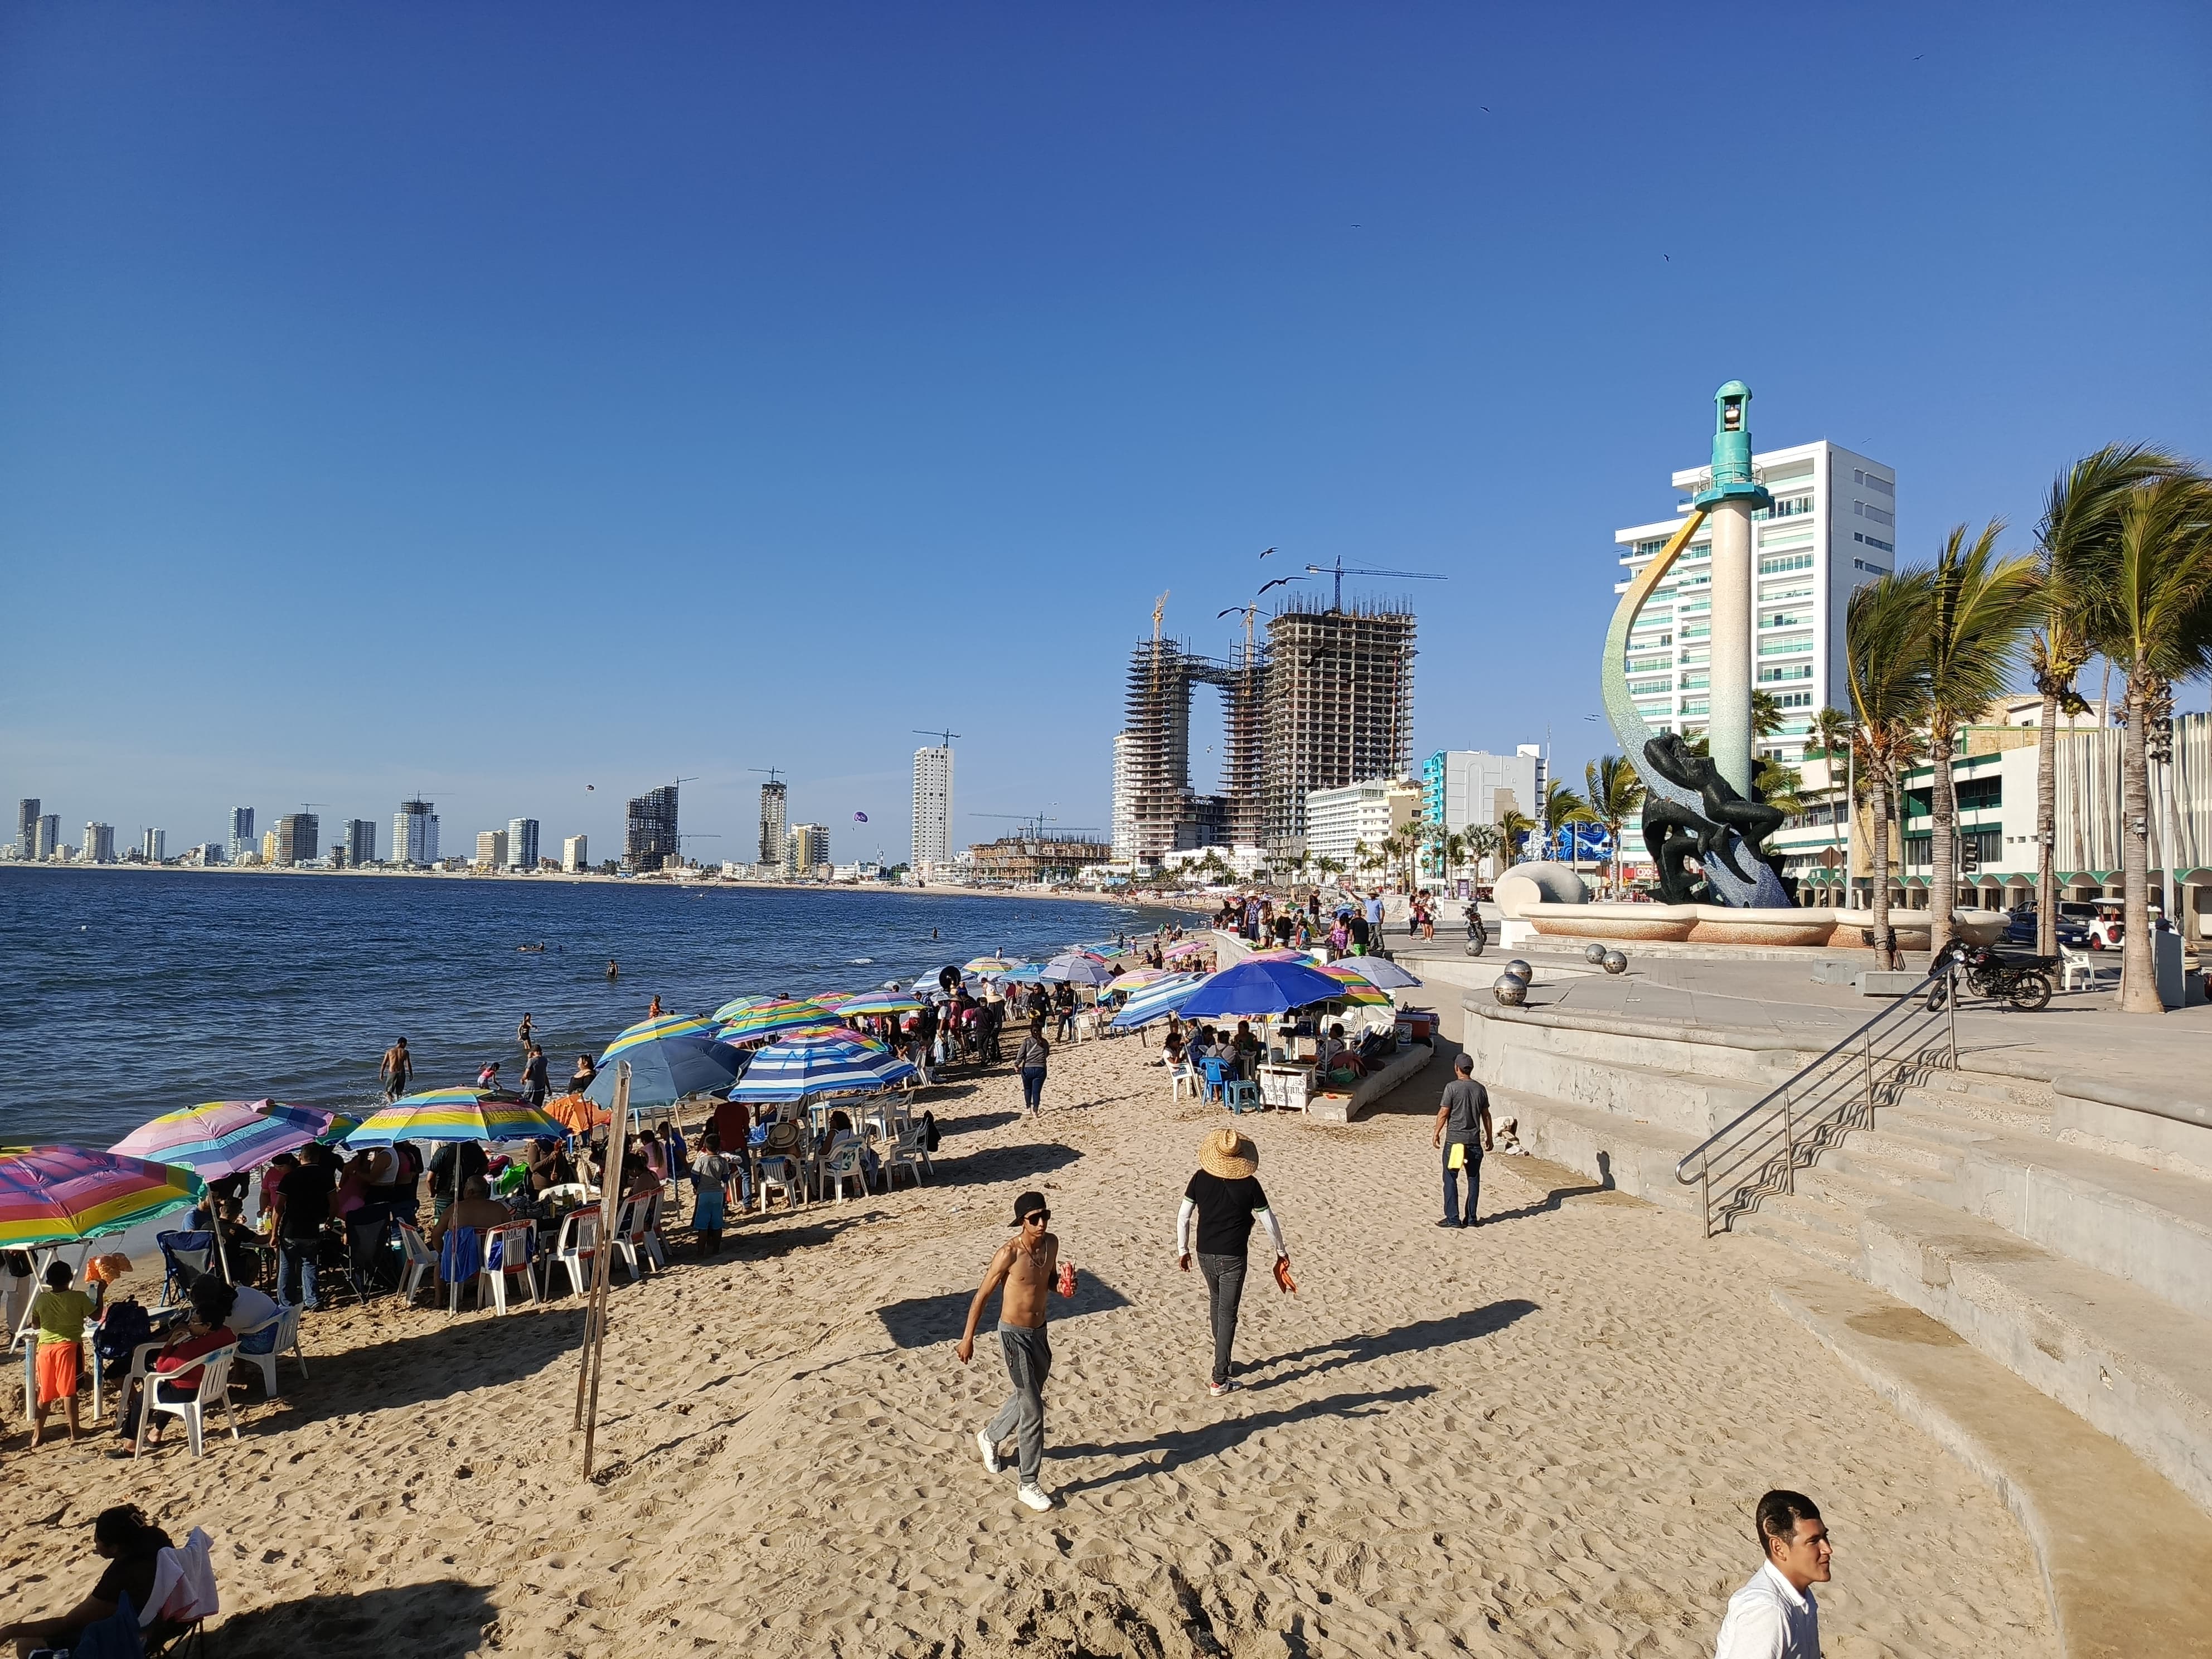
x: 2106, y: 928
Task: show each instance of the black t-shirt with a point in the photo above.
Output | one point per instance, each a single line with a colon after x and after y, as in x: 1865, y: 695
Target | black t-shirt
x: 1358, y: 929
x: 131, y: 1576
x: 1225, y: 1209
x: 307, y: 1192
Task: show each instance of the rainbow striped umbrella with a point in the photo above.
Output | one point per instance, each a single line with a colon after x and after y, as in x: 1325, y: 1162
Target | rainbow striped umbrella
x: 737, y: 1005
x: 1282, y: 954
x: 454, y: 1114
x: 815, y: 1063
x: 989, y: 965
x: 771, y: 1018
x: 58, y: 1195
x: 219, y: 1138
x: 1137, y: 978
x: 652, y: 1031
x: 877, y: 1002
x: 1190, y: 947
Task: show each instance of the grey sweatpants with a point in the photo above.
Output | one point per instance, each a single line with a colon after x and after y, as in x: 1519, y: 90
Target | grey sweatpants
x: 1224, y: 1289
x: 1029, y: 1362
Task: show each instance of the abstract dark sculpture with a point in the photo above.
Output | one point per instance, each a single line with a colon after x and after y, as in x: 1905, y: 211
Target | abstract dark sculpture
x: 1727, y: 835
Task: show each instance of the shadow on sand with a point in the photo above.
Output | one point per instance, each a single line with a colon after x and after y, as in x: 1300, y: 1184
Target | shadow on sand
x: 1361, y: 1346
x: 922, y: 1321
x: 1165, y: 1452
x: 442, y: 1619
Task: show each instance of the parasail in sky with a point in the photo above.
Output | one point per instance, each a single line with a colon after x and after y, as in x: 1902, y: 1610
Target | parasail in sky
x: 859, y: 817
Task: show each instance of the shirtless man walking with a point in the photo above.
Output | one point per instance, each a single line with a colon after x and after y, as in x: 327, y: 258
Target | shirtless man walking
x: 398, y: 1066
x: 1021, y: 1271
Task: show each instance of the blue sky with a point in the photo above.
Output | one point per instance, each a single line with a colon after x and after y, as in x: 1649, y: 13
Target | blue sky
x: 495, y: 400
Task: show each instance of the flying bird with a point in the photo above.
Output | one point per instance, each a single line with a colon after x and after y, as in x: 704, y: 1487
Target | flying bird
x: 1265, y: 554
x: 1233, y: 611
x: 1280, y: 580
x: 588, y: 788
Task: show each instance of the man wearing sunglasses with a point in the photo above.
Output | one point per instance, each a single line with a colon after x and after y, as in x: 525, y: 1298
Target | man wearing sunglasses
x: 1021, y: 1271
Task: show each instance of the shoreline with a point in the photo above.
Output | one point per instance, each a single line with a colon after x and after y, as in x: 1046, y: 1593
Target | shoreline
x: 934, y: 890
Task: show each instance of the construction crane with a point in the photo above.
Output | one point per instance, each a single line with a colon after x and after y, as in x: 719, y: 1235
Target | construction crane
x: 1040, y: 820
x: 1339, y: 571
x: 774, y: 773
x: 931, y: 731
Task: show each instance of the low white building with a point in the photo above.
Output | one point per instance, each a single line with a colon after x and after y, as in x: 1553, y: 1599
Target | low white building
x: 1359, y: 814
x: 575, y: 854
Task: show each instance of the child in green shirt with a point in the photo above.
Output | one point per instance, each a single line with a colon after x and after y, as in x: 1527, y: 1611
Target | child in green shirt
x: 60, y: 1313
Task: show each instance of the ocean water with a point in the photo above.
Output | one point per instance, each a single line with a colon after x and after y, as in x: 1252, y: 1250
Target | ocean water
x: 124, y: 993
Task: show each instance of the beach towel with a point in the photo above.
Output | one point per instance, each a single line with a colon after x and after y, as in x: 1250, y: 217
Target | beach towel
x: 184, y: 1583
x: 460, y: 1255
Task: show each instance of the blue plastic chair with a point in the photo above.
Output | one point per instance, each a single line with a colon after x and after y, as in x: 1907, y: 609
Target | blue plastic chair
x: 1235, y: 1093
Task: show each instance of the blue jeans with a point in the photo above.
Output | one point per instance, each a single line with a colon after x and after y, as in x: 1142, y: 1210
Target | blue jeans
x: 1033, y: 1087
x: 1473, y: 1173
x: 295, y: 1270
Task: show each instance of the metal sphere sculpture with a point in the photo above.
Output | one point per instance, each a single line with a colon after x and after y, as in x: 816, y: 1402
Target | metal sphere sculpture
x: 1510, y: 991
x: 1521, y: 970
x: 1615, y: 963
x: 1594, y: 954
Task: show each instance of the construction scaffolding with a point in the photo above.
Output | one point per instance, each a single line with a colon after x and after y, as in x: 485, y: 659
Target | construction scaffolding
x: 1166, y: 813
x: 1339, y: 708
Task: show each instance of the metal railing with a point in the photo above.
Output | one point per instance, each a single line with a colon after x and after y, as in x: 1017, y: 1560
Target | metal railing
x: 1757, y: 1153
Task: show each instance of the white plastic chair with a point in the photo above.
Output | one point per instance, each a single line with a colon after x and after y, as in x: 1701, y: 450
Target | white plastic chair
x: 507, y: 1251
x: 574, y: 1248
x: 908, y: 1151
x: 184, y: 1592
x: 420, y: 1263
x: 2088, y: 966
x: 1181, y: 1076
x: 635, y: 1238
x: 846, y: 1164
x: 781, y: 1174
x: 214, y: 1386
x: 286, y: 1324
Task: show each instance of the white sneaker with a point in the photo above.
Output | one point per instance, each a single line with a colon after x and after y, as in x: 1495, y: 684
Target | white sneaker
x: 1035, y: 1497
x: 991, y: 1463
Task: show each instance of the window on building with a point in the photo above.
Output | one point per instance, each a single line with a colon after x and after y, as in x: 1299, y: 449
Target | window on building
x: 1699, y: 550
x: 1793, y: 699
x: 1873, y: 541
x: 1859, y: 475
x: 1694, y: 706
x: 1696, y: 682
x: 1783, y: 648
x: 1785, y: 561
x: 1645, y: 550
x: 1873, y: 512
x: 1786, y: 619
x: 1791, y: 670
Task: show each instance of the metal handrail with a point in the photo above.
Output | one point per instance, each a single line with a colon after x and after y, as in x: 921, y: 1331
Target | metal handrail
x: 1753, y: 1156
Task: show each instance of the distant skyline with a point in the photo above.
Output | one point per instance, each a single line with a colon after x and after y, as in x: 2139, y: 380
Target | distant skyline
x: 486, y: 404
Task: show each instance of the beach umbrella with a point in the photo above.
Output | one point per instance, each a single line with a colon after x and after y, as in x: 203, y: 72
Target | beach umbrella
x: 1261, y: 988
x: 1077, y: 967
x: 653, y: 1030
x: 814, y: 1063
x: 771, y: 1018
x: 1378, y: 971
x: 578, y: 1116
x: 1137, y: 978
x: 453, y: 1115
x: 986, y: 965
x: 331, y: 1128
x: 1029, y: 973
x: 663, y: 1070
x: 60, y: 1195
x: 1157, y: 1001
x: 1190, y: 947
x: 1282, y: 954
x: 737, y: 1005
x: 219, y: 1138
x: 876, y: 1002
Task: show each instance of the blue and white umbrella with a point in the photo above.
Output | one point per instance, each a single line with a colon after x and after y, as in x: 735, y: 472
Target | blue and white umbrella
x: 663, y: 1070
x: 1030, y: 973
x: 821, y: 1063
x: 1157, y: 1001
x: 1380, y: 972
x: 1260, y: 987
x: 1078, y: 969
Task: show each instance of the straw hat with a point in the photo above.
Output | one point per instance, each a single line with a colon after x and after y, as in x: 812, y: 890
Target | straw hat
x: 1228, y: 1155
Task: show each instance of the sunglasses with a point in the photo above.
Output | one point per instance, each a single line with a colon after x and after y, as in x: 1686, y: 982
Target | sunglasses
x: 1038, y: 1215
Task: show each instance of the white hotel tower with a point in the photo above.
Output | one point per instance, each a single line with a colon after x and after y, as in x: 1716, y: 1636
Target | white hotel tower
x: 932, y: 808
x: 1832, y: 528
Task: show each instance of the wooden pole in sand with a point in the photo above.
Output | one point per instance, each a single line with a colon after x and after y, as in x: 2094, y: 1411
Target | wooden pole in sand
x: 595, y: 1315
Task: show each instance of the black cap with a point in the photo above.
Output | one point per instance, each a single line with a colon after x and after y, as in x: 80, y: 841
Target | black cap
x: 1027, y: 1205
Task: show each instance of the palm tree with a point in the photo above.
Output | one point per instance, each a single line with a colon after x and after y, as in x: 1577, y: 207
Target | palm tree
x: 2147, y: 605
x: 1562, y: 806
x: 1829, y: 736
x: 1885, y: 657
x: 1329, y: 869
x: 2081, y: 522
x: 1481, y: 840
x: 1765, y: 716
x: 1452, y: 849
x: 1980, y: 606
x: 1362, y: 855
x: 1514, y: 826
x: 1616, y: 795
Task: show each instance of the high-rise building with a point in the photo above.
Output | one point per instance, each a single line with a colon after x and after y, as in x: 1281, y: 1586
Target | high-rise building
x: 242, y: 833
x: 575, y: 854
x: 1339, y: 707
x: 649, y: 837
x: 933, y: 806
x: 772, y: 847
x: 1124, y: 796
x: 806, y: 848
x: 268, y: 847
x: 491, y: 849
x: 155, y: 847
x: 361, y: 842
x: 299, y: 838
x: 207, y: 853
x: 99, y: 844
x: 522, y: 843
x: 1831, y: 530
x: 27, y: 827
x: 415, y: 834
x: 50, y: 836
x: 1342, y: 824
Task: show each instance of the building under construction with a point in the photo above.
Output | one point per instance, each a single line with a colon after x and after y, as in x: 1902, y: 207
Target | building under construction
x: 1326, y: 701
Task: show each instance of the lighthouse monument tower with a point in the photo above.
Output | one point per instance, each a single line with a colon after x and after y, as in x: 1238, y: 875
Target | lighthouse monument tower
x: 1728, y: 501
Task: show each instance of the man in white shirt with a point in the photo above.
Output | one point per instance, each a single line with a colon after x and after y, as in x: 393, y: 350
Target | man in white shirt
x: 1775, y: 1616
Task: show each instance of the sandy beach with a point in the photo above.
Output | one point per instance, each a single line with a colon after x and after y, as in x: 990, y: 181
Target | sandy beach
x: 1542, y: 1437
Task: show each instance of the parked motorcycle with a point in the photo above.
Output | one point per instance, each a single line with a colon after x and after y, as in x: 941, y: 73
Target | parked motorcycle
x: 2012, y: 977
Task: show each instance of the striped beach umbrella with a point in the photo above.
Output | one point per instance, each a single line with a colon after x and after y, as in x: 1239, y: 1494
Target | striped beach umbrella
x: 1157, y: 1001
x: 219, y: 1138
x: 771, y: 1018
x: 653, y: 1030
x: 1078, y: 968
x: 876, y: 1002
x: 817, y: 1063
x: 989, y: 965
x: 1283, y: 953
x: 58, y: 1195
x: 1190, y: 947
x: 737, y: 1005
x: 1137, y: 978
x: 453, y: 1115
x: 1029, y: 973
